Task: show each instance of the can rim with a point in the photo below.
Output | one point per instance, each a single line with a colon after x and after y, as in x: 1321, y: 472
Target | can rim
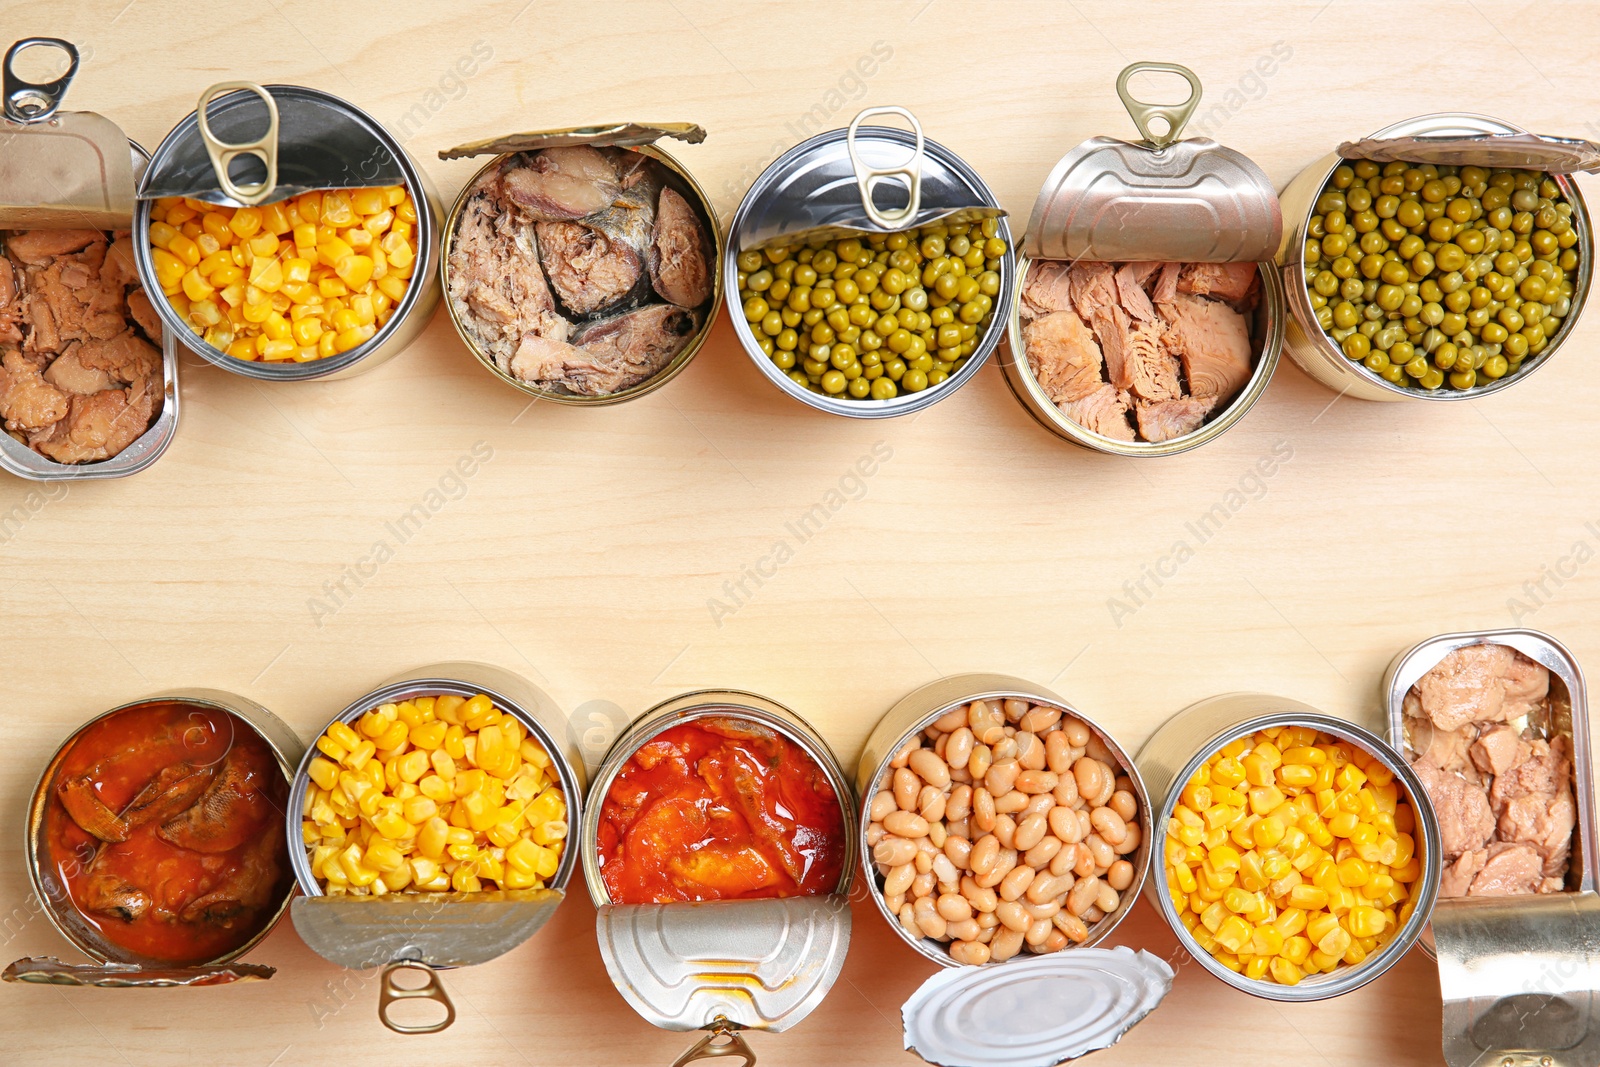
x: 904, y: 403
x: 937, y: 951
x: 421, y: 277
x: 1299, y: 301
x: 1346, y: 977
x: 33, y: 826
x: 447, y: 237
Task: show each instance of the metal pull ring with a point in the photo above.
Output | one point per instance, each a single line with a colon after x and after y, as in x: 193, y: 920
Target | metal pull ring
x: 1176, y: 116
x: 867, y: 178
x: 388, y: 993
x: 27, y: 101
x: 264, y: 148
x: 722, y: 1041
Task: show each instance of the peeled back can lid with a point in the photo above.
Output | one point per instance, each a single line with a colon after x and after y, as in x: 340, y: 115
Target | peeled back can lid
x: 1034, y: 1013
x: 1157, y: 200
x: 60, y: 169
x: 613, y: 135
x: 1516, y: 150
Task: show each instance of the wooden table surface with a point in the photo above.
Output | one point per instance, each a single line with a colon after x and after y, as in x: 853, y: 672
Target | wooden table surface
x: 599, y: 552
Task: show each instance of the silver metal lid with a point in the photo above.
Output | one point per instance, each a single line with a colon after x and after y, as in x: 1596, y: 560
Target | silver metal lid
x: 1525, y: 151
x: 616, y: 135
x: 1034, y: 1013
x: 1160, y: 199
x: 439, y: 929
x: 47, y: 970
x: 859, y: 181
x: 60, y: 169
x: 725, y: 965
x: 312, y: 140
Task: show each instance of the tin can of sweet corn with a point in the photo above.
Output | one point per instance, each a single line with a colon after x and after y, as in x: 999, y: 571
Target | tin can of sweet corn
x: 113, y: 965
x: 722, y: 966
x: 430, y: 931
x: 248, y: 145
x: 1180, y: 747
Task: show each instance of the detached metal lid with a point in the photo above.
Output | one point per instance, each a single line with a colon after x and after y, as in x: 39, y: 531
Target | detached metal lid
x: 828, y: 187
x: 1157, y: 200
x: 725, y: 965
x: 47, y: 970
x: 1523, y: 151
x: 1520, y: 977
x: 312, y: 140
x: 60, y: 169
x: 1034, y: 1013
x: 439, y: 929
x: 615, y: 135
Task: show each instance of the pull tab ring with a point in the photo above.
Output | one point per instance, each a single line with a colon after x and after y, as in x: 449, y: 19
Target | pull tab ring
x: 1176, y: 115
x: 723, y: 1040
x: 867, y: 178
x: 388, y: 993
x: 264, y: 148
x: 27, y: 101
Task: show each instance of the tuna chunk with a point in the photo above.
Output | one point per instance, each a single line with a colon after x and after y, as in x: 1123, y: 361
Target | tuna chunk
x: 1545, y: 772
x: 1046, y: 289
x: 1213, y: 341
x: 1166, y: 288
x: 1225, y: 281
x: 1466, y: 686
x: 1093, y: 286
x: 680, y: 266
x: 1135, y: 359
x: 1456, y: 878
x: 38, y: 247
x: 27, y: 400
x: 1445, y: 749
x: 1527, y: 684
x: 1544, y: 822
x: 1498, y: 749
x: 1134, y: 300
x: 1063, y: 355
x: 101, y: 425
x: 1465, y: 819
x: 1509, y: 869
x: 1163, y: 420
x: 1102, y: 411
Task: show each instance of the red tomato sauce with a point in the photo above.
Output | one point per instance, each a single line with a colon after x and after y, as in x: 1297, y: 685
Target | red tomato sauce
x: 145, y: 894
x: 719, y: 809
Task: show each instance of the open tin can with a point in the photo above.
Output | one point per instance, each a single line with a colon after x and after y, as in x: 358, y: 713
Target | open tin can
x: 1042, y: 1023
x: 74, y: 170
x: 1186, y: 741
x: 828, y: 188
x: 49, y: 873
x: 248, y: 145
x: 1451, y: 138
x: 1519, y: 973
x: 432, y: 931
x: 721, y: 966
x: 1159, y: 202
x: 603, y: 240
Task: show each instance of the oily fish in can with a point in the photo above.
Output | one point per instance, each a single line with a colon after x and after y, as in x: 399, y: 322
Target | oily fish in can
x: 1145, y: 314
x: 82, y: 376
x: 582, y: 264
x: 156, y: 841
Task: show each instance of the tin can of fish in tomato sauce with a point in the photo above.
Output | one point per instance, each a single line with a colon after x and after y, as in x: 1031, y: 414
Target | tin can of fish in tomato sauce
x: 642, y: 138
x: 1162, y: 200
x: 428, y: 932
x: 1185, y: 742
x: 866, y: 181
x: 1456, y: 138
x: 722, y: 966
x: 112, y: 965
x: 63, y: 170
x: 312, y: 141
x: 1519, y: 974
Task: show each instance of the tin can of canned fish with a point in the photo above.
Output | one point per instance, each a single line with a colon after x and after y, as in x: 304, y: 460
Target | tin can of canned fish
x: 1186, y: 741
x: 642, y: 138
x: 1162, y: 200
x: 902, y: 726
x: 61, y: 170
x: 1446, y: 138
x: 827, y: 188
x: 427, y: 932
x: 726, y: 965
x: 262, y: 145
x: 113, y: 965
x: 1520, y: 973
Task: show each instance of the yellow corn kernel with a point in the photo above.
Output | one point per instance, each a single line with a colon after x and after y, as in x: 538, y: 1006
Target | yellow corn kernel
x: 429, y: 735
x: 368, y: 201
x: 393, y: 826
x: 331, y: 748
x: 479, y: 712
x: 1290, y: 921
x: 436, y: 789
x: 324, y: 772
x: 355, y: 871
x: 1284, y: 971
x: 359, y: 755
x: 412, y: 766
x: 185, y: 249
x: 1234, y: 934
x: 1266, y: 940
x: 443, y: 765
x: 1366, y: 922
x: 1308, y: 898
x: 465, y: 880
x: 1238, y: 900
x: 503, y: 833
x: 1296, y: 949
x: 383, y: 856
x: 446, y: 708
x: 246, y: 222
x: 1224, y: 859
x: 1266, y: 799
x: 336, y: 208
x: 432, y: 839
x: 1196, y: 797
x: 1297, y: 776
x: 1354, y: 872
x: 549, y: 805
x: 549, y: 833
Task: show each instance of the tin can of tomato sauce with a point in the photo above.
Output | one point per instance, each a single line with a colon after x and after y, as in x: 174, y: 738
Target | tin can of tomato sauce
x: 67, y: 170
x: 427, y: 932
x: 128, y: 790
x: 1519, y: 973
x: 725, y: 954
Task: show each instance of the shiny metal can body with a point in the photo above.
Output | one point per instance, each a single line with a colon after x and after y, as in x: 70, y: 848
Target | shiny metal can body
x: 1311, y: 347
x: 919, y: 710
x: 1177, y: 750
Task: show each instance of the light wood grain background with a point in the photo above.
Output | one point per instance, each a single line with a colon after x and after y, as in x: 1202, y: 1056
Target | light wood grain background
x: 585, y: 552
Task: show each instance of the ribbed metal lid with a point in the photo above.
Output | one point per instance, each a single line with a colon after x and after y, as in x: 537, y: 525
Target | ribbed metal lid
x: 1157, y: 200
x: 616, y: 135
x: 1524, y: 151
